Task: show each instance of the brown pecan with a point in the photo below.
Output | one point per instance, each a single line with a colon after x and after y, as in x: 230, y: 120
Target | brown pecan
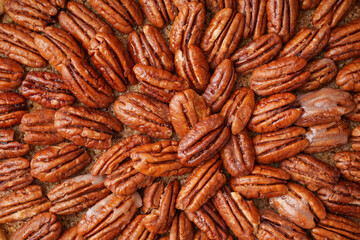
x: 281, y: 75
x: 255, y: 17
x: 222, y: 36
x: 42, y: 226
x: 82, y: 23
x: 310, y: 171
x: 221, y: 84
x: 258, y: 52
x: 238, y: 109
x: 86, y: 126
x: 181, y: 228
x: 109, y: 217
x: 282, y: 18
x: 18, y: 43
x: 23, y: 204
x: 15, y: 174
x: 160, y: 84
x: 201, y: 185
x: 10, y: 148
x: 55, y: 163
x: 121, y: 14
x: 321, y: 71
x: 12, y: 108
x: 300, y: 206
x: 76, y: 194
x: 274, y: 113
x: 186, y: 109
x: 309, y: 4
x: 355, y: 134
x: 277, y: 146
x: 150, y: 48
x: 152, y: 196
x: 59, y: 3
x: 180, y: 3
x: 348, y: 77
x: 327, y: 136
x: 203, y: 141
x: 307, y: 43
x: 348, y: 164
x: 344, y: 42
x: 188, y: 26
x: 144, y: 114
x: 136, y: 230
x: 159, y: 12
x: 263, y: 182
x: 11, y: 74
x: 71, y: 234
x: 199, y: 235
x: 355, y: 114
x: 216, y: 5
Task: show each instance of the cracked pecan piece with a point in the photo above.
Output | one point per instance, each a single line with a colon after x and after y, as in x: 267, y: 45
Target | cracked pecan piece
x: 59, y: 162
x: 15, y: 174
x: 11, y: 74
x: 355, y: 134
x: 254, y: 12
x: 12, y: 109
x: 159, y: 12
x: 136, y: 230
x: 71, y: 234
x: 10, y: 148
x: 348, y: 164
x: 348, y: 77
x: 144, y: 114
x: 181, y: 228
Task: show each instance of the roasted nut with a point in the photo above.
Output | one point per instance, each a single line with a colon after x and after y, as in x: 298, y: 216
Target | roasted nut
x: 221, y: 84
x: 277, y: 146
x: 76, y: 194
x: 348, y: 164
x: 281, y: 75
x: 136, y: 230
x: 87, y: 127
x: 203, y: 141
x: 310, y: 171
x: 348, y: 77
x: 355, y: 114
x: 216, y: 5
x: 159, y: 12
x: 152, y: 196
x: 254, y: 12
x: 12, y: 108
x: 59, y: 162
x: 71, y: 234
x: 355, y: 140
x: 144, y: 114
x: 300, y: 206
x: 180, y: 3
x: 23, y: 204
x: 42, y: 226
x: 10, y: 148
x: 15, y: 174
x: 59, y: 3
x: 11, y: 74
x: 309, y: 4
x: 199, y: 235
x: 181, y: 228
x: 201, y: 185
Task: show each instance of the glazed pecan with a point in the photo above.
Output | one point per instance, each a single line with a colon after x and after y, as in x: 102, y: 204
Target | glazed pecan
x: 42, y: 226
x: 160, y: 84
x: 355, y: 114
x: 109, y: 217
x: 186, y: 109
x: 76, y: 194
x: 306, y: 43
x: 159, y: 12
x: 201, y: 185
x: 180, y: 3
x: 47, y: 89
x: 355, y: 137
x: 238, y: 109
x: 309, y: 4
x: 274, y: 113
x: 23, y: 204
x: 321, y: 71
x: 203, y: 141
x: 258, y: 52
x: 121, y: 14
x: 181, y: 228
x: 71, y: 234
x: 221, y: 84
x: 348, y: 164
x: 152, y: 196
x: 277, y: 146
x: 59, y: 3
x: 254, y: 12
x: 310, y: 171
x: 136, y: 230
x: 150, y: 48
x: 348, y: 77
x: 110, y: 160
x: 18, y: 43
x: 300, y: 206
x: 11, y: 74
x: 86, y: 126
x: 263, y: 182
x: 10, y: 148
x: 222, y: 36
x: 216, y: 5
x: 15, y: 174
x: 282, y: 18
x: 281, y: 75
x: 12, y: 108
x: 144, y: 114
x: 188, y: 26
x: 331, y: 12
x: 56, y: 163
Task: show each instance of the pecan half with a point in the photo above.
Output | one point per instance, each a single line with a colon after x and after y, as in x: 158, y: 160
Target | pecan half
x: 15, y: 174
x: 348, y: 77
x: 203, y: 141
x: 150, y: 48
x: 144, y: 114
x: 12, y: 108
x: 258, y: 52
x: 277, y: 146
x: 201, y: 185
x: 23, y: 204
x: 255, y: 17
x: 180, y: 3
x: 42, y: 226
x: 348, y: 164
x: 263, y: 182
x: 86, y: 126
x: 55, y: 163
x: 71, y: 234
x: 281, y: 75
x: 152, y: 196
x: 355, y: 114
x: 136, y: 230
x: 159, y: 12
x: 121, y: 14
x: 355, y: 134
x: 11, y: 74
x: 300, y: 206
x: 274, y: 113
x: 216, y: 5
x: 10, y: 148
x: 181, y: 228
x: 309, y: 4
x: 76, y: 194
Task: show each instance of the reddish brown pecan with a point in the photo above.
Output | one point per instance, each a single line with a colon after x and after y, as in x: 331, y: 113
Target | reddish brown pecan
x: 355, y: 138
x: 59, y: 3
x: 12, y: 108
x: 355, y: 114
x: 10, y: 148
x: 56, y: 163
x: 348, y: 164
x: 255, y: 17
x: 136, y: 230
x: 11, y: 74
x: 181, y: 228
x: 159, y: 12
x: 152, y: 196
x: 309, y: 4
x: 180, y: 3
x: 71, y: 234
x: 348, y: 77
x: 216, y: 5
x: 15, y: 174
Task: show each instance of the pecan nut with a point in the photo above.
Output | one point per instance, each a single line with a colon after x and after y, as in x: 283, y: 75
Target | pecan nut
x: 309, y: 4
x: 12, y: 109
x: 254, y: 12
x: 70, y: 234
x: 181, y: 227
x: 136, y: 230
x: 10, y: 148
x: 159, y: 12
x: 11, y: 74
x: 216, y: 5
x: 355, y: 134
x: 348, y: 77
x: 355, y: 114
x: 180, y: 3
x: 15, y: 174
x: 152, y: 196
x: 348, y: 164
